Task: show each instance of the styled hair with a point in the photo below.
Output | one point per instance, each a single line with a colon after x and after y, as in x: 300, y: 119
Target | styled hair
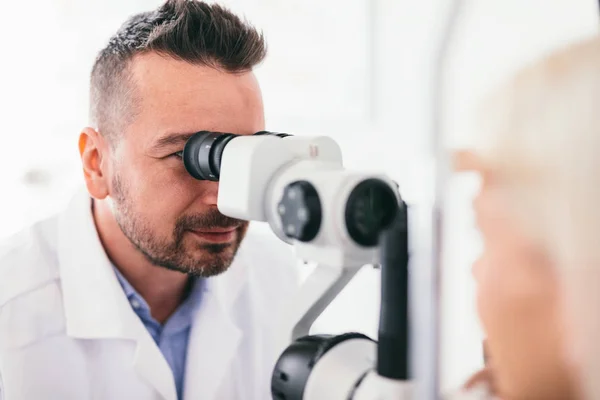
x: 541, y: 137
x: 187, y: 30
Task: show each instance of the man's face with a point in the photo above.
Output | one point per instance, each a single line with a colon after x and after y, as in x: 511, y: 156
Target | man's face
x: 168, y: 215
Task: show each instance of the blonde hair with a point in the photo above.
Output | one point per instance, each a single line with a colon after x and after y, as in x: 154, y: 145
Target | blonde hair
x: 540, y: 138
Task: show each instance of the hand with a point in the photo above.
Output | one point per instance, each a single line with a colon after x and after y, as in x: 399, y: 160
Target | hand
x: 484, y: 376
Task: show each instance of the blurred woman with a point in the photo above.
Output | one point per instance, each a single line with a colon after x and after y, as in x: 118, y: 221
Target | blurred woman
x: 538, y: 210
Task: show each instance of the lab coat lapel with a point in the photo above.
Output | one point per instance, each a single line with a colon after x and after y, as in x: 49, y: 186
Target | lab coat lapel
x: 215, y: 336
x: 95, y: 305
x: 150, y: 364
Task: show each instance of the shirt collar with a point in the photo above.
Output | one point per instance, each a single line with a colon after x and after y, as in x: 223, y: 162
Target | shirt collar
x: 127, y: 288
x: 184, y: 314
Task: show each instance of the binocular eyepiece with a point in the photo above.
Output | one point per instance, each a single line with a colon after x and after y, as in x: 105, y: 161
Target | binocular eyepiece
x: 203, y: 153
x: 302, y: 199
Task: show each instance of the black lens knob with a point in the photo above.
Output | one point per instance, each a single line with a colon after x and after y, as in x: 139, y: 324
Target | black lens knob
x: 203, y: 153
x: 300, y: 211
x: 371, y: 208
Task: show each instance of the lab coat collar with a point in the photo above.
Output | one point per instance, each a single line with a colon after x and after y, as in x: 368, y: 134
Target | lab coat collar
x: 95, y: 304
x: 213, y: 344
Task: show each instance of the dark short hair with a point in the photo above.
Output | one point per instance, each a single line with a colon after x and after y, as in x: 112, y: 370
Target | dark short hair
x: 188, y: 30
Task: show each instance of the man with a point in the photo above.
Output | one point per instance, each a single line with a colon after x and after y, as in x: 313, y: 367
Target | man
x: 141, y: 289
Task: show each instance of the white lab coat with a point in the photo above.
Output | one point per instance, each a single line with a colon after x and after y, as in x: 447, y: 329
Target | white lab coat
x: 68, y: 332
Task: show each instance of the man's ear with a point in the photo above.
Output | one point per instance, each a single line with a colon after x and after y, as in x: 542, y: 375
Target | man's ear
x: 93, y: 151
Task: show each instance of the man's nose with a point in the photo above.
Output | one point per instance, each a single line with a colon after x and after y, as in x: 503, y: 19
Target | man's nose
x: 209, y: 193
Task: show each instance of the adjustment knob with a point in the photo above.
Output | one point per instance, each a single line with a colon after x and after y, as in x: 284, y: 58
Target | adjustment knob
x: 300, y: 211
x: 293, y: 377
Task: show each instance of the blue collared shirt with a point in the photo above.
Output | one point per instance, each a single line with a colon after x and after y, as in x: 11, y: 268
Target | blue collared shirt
x: 172, y: 337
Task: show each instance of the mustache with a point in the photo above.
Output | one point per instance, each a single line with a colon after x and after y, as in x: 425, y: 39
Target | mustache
x: 210, y: 220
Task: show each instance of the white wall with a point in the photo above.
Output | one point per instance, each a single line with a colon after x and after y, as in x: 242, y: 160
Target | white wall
x: 358, y: 70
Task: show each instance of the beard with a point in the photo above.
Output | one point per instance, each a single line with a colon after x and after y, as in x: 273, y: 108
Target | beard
x: 195, y: 259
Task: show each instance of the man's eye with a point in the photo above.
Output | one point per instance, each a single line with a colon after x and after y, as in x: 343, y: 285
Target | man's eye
x: 178, y: 154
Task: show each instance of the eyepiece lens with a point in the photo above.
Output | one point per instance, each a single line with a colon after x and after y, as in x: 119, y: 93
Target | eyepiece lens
x: 216, y: 153
x: 203, y: 153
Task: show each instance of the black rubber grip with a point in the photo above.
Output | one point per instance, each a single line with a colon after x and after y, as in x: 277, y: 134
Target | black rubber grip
x: 392, y: 349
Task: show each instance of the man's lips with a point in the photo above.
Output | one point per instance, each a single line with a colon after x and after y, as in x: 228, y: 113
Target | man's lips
x: 216, y: 235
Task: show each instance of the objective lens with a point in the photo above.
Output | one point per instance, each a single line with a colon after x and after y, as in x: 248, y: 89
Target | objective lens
x: 371, y: 208
x: 203, y: 153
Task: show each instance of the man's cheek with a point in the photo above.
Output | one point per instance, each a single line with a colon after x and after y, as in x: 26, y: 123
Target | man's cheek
x: 175, y: 185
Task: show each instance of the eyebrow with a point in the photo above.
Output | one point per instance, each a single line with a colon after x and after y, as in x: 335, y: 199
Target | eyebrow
x: 168, y: 141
